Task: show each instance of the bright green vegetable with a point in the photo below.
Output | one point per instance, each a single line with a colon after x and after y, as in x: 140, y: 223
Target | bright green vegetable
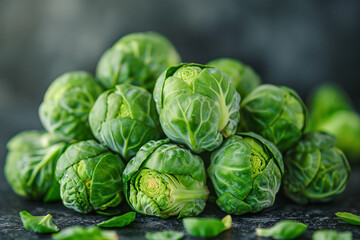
x: 285, y: 229
x: 67, y: 103
x: 243, y: 76
x: 331, y: 235
x: 119, y: 221
x: 331, y: 112
x: 315, y: 170
x: 39, y: 224
x: 246, y: 173
x: 77, y: 233
x: 164, y: 180
x: 124, y: 119
x: 30, y: 165
x: 345, y: 126
x: 137, y: 58
x: 206, y: 227
x: 198, y: 105
x: 90, y: 177
x: 349, y: 217
x: 325, y: 100
x: 165, y: 235
x: 276, y: 113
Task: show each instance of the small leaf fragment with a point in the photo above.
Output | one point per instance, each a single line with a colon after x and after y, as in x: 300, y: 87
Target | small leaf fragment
x: 78, y: 232
x: 165, y: 235
x: 39, y: 224
x: 331, y: 235
x: 285, y: 229
x: 206, y: 227
x: 349, y: 217
x: 119, y: 221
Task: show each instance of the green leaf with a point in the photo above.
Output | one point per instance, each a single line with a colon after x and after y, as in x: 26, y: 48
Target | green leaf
x: 331, y: 235
x: 39, y: 224
x: 349, y: 217
x: 206, y: 227
x: 119, y: 221
x: 285, y: 229
x: 93, y: 233
x: 165, y: 235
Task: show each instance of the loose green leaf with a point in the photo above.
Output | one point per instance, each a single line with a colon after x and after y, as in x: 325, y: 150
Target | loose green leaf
x: 285, y: 229
x: 207, y: 227
x: 165, y: 235
x: 119, y: 221
x: 93, y: 233
x: 349, y: 217
x: 331, y: 235
x: 39, y: 224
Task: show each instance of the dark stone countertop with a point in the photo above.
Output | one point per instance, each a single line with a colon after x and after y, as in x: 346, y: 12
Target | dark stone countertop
x: 316, y: 216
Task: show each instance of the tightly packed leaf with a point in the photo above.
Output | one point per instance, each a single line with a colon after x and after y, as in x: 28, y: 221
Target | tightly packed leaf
x: 67, y: 103
x: 243, y: 76
x: 198, y: 105
x: 315, y: 170
x: 164, y: 180
x: 90, y: 177
x: 137, y: 58
x: 124, y: 119
x: 276, y: 113
x: 246, y: 172
x: 30, y: 165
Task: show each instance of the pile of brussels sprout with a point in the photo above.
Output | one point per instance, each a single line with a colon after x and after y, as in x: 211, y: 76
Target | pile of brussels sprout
x: 157, y: 134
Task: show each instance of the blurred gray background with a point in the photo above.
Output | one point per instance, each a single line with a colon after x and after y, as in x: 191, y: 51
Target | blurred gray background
x: 295, y: 43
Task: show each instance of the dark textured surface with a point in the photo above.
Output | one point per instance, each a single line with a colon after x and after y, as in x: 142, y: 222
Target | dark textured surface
x: 316, y: 216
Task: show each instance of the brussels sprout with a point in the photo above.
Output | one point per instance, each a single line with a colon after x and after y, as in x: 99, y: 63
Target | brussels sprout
x: 243, y: 76
x: 276, y: 113
x: 30, y: 165
x: 137, y: 58
x: 198, y: 105
x: 345, y: 125
x: 326, y: 100
x: 164, y: 180
x: 331, y: 112
x: 315, y: 170
x: 246, y: 172
x: 67, y: 104
x: 124, y: 119
x: 89, y: 177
